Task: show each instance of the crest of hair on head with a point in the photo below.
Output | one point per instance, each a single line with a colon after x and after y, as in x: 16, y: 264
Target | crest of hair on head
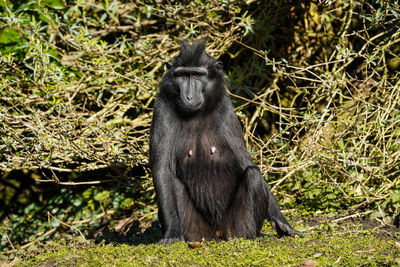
x: 193, y: 54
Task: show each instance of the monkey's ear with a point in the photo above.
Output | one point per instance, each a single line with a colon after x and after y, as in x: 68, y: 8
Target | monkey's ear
x: 169, y: 65
x: 218, y: 65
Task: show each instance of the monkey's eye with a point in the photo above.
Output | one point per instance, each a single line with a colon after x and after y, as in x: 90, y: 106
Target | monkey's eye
x: 195, y: 76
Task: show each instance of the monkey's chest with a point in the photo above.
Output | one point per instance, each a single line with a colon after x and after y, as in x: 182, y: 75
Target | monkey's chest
x: 210, y: 172
x: 206, y: 158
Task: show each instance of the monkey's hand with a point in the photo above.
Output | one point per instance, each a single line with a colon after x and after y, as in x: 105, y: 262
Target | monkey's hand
x: 284, y: 229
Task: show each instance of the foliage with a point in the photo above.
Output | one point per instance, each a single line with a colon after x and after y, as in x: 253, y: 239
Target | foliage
x: 82, y: 211
x: 316, y: 85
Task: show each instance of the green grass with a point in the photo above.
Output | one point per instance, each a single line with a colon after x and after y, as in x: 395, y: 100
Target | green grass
x: 315, y: 84
x: 347, y: 245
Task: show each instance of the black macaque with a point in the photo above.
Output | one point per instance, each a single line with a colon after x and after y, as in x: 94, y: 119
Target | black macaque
x: 207, y: 186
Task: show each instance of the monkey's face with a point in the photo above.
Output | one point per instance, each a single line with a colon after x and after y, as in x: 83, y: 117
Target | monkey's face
x: 194, y: 81
x: 190, y: 83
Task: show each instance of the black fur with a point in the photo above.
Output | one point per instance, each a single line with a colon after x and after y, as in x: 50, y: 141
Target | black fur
x: 206, y: 183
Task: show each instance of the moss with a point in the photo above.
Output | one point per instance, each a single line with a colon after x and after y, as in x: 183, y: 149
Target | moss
x: 325, y: 247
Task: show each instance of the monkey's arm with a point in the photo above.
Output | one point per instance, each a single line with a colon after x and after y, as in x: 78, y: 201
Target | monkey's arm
x: 270, y: 207
x: 163, y: 168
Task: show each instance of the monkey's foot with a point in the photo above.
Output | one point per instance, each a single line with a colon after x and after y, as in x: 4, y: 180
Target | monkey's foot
x: 170, y: 240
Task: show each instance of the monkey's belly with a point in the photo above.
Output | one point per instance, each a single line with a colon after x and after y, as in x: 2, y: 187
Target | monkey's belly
x: 211, y: 185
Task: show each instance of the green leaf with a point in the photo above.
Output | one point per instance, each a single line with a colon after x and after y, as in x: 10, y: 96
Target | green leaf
x: 102, y: 196
x: 56, y: 4
x: 54, y: 223
x: 376, y: 214
x: 341, y: 144
x: 9, y: 35
x: 395, y: 196
x: 77, y: 202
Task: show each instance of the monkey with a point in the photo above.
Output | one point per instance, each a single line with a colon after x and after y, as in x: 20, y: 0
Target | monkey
x: 207, y: 186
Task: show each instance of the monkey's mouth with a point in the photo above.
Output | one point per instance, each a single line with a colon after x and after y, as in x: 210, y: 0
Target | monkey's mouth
x: 190, y: 107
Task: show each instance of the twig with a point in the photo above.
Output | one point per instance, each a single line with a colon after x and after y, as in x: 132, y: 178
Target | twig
x: 76, y: 183
x: 32, y: 242
x: 67, y: 225
x: 359, y: 214
x: 9, y: 241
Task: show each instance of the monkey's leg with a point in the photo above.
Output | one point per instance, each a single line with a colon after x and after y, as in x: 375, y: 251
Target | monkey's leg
x: 248, y: 208
x: 194, y: 226
x: 253, y: 203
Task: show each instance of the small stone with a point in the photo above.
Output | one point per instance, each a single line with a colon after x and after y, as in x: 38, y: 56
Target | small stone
x: 190, y: 153
x: 308, y: 263
x: 213, y: 149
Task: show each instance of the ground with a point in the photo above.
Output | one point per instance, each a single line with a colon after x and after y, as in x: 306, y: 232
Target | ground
x: 336, y: 240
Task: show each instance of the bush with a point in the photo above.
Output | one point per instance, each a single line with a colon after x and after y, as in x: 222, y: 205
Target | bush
x: 315, y: 84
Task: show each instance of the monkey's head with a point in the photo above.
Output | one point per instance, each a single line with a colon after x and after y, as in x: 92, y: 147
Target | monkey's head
x: 194, y: 80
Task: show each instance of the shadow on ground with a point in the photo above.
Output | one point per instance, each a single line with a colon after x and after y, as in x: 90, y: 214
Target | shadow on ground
x: 132, y: 234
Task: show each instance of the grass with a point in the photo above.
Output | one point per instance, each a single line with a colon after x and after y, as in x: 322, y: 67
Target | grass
x: 315, y: 84
x: 327, y: 244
